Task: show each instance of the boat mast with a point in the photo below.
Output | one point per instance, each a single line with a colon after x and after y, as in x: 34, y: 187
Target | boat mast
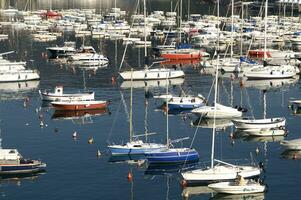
x: 167, y: 132
x: 232, y: 25
x: 215, y: 94
x: 265, y: 30
x: 131, y: 108
x: 181, y: 22
x: 145, y: 50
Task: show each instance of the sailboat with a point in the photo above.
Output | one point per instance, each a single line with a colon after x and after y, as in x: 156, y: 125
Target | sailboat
x: 266, y: 71
x: 150, y: 74
x: 134, y: 146
x: 171, y: 155
x: 221, y: 171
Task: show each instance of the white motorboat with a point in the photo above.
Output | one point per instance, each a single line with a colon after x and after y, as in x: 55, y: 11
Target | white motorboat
x: 259, y: 123
x: 234, y: 187
x: 64, y: 51
x: 87, y: 56
x: 221, y: 112
x: 294, y: 144
x: 58, y: 95
x: 21, y: 75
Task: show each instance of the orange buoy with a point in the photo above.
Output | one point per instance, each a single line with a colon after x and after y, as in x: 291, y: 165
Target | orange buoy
x: 113, y: 80
x: 130, y: 176
x: 241, y: 83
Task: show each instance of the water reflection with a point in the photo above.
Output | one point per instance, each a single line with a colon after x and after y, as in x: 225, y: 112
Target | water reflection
x: 17, y: 90
x: 195, y: 191
x: 257, y: 196
x: 151, y: 83
x: 270, y: 84
x: 238, y: 134
x: 291, y: 154
x: 138, y: 160
x: 78, y: 114
x: 19, y: 179
x: 208, y: 123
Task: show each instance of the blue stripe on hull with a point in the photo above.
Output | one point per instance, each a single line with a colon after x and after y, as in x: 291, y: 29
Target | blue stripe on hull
x: 172, y: 157
x: 21, y: 169
x: 183, y: 106
x: 124, y: 151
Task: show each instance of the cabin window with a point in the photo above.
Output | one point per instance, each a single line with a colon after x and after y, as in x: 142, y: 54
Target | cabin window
x: 137, y: 146
x: 11, y: 151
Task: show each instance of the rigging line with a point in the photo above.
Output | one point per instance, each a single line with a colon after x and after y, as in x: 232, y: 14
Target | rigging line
x: 249, y: 104
x: 127, y: 44
x: 113, y: 123
x: 199, y: 121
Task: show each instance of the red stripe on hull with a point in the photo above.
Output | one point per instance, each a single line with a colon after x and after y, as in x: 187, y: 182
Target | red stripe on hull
x: 80, y: 107
x: 181, y: 56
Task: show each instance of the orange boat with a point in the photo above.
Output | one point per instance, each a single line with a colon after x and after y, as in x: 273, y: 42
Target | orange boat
x: 182, y: 54
x: 79, y: 105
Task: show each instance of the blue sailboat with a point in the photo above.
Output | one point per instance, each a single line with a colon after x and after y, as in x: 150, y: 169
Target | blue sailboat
x: 171, y: 155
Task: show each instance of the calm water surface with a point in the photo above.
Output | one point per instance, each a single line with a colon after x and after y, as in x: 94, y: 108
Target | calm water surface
x: 74, y: 171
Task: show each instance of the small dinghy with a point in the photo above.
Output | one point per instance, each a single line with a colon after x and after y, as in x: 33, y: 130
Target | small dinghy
x: 259, y: 123
x: 79, y: 105
x: 239, y: 186
x: 59, y: 95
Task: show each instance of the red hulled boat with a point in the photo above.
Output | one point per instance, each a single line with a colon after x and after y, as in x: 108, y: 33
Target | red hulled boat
x: 79, y: 105
x: 182, y: 54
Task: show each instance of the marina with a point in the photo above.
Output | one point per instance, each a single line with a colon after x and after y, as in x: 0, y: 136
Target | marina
x: 150, y: 99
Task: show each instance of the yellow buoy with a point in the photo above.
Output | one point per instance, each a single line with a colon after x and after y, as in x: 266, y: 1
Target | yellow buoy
x: 90, y: 141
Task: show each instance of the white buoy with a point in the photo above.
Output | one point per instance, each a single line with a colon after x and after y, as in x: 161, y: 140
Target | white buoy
x: 257, y: 150
x: 98, y: 154
x: 74, y: 135
x: 90, y: 141
x: 41, y: 124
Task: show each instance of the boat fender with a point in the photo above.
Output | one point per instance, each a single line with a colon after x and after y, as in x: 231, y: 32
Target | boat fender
x: 285, y: 133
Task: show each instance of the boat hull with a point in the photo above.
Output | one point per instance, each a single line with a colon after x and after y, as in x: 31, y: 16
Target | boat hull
x: 259, y: 124
x: 82, y: 106
x: 22, y: 168
x: 172, y: 157
x: 153, y: 74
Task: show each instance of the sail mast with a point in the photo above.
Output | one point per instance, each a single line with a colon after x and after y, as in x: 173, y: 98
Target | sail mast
x: 232, y: 26
x: 145, y: 50
x: 215, y: 94
x: 265, y: 30
x: 131, y: 108
x: 167, y: 132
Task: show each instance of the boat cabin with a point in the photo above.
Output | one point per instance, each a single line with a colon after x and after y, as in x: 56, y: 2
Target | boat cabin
x: 9, y: 156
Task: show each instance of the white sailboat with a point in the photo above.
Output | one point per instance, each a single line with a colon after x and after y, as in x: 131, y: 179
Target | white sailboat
x: 266, y: 71
x: 219, y: 170
x: 150, y: 74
